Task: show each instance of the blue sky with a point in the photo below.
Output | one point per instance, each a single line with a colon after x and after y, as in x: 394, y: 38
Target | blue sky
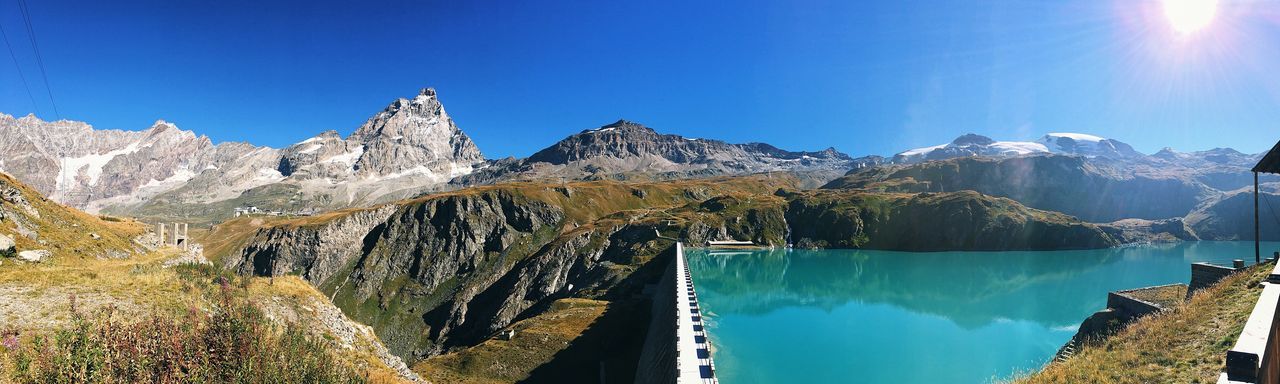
x: 867, y: 77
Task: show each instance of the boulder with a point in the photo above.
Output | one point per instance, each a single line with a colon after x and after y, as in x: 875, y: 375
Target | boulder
x: 6, y: 246
x: 34, y: 256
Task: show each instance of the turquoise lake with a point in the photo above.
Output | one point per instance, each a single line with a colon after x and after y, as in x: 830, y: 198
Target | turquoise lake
x: 855, y: 316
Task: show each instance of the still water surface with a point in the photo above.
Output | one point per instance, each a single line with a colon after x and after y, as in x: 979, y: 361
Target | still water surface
x: 854, y: 316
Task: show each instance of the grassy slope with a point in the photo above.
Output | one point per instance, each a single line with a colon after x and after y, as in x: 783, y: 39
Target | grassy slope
x: 1184, y: 345
x: 66, y: 232
x: 36, y: 298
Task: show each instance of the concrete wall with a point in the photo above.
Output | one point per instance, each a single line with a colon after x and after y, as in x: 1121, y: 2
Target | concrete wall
x: 677, y: 349
x: 1128, y: 307
x: 658, y: 359
x: 1205, y: 274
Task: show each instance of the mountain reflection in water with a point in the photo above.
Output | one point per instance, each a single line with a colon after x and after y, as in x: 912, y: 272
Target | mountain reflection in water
x: 874, y: 316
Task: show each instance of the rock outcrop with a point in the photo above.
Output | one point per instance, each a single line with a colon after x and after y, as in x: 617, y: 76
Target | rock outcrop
x: 6, y: 246
x: 34, y: 256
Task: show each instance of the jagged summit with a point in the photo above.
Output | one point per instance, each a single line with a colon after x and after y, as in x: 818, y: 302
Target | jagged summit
x: 418, y: 137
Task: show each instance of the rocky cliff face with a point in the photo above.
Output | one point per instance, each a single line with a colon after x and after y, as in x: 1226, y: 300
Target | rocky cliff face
x: 452, y: 270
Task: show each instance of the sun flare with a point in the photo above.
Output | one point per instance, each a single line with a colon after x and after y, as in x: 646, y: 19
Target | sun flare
x: 1189, y: 16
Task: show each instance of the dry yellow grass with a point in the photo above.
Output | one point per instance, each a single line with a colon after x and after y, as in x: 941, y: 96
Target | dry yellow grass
x: 537, y: 340
x: 37, y: 296
x: 1184, y: 345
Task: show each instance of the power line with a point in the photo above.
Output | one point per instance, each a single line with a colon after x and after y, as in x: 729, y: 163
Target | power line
x: 1269, y: 208
x: 19, y: 67
x: 31, y: 33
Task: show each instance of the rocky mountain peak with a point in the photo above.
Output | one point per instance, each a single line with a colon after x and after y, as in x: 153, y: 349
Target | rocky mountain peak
x: 414, y: 136
x: 426, y: 93
x: 626, y: 146
x: 623, y: 126
x: 330, y: 134
x: 972, y: 139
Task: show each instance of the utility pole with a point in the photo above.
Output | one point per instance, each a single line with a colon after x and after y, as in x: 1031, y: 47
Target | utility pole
x: 1257, y: 232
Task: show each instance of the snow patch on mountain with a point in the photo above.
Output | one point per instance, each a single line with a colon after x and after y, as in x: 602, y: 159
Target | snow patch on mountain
x: 91, y: 165
x: 348, y: 158
x: 1079, y: 144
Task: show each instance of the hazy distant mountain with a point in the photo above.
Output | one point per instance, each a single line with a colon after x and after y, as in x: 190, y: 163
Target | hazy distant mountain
x: 1091, y: 189
x: 1096, y: 179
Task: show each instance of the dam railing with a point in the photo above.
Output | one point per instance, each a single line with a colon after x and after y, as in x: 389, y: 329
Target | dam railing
x: 676, y: 349
x: 1255, y: 358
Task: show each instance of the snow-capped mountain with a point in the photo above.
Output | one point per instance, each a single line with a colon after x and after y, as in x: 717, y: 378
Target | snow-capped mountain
x: 970, y: 145
x: 1087, y: 145
x: 1060, y: 143
x: 73, y: 163
x: 409, y: 147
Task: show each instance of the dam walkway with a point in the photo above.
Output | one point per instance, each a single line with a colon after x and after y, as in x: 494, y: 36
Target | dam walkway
x: 677, y: 350
x: 694, y: 363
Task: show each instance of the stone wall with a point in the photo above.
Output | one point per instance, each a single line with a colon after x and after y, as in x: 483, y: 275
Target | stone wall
x: 1205, y: 274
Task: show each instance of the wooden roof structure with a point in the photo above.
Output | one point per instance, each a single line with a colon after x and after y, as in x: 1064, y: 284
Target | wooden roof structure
x: 1270, y: 162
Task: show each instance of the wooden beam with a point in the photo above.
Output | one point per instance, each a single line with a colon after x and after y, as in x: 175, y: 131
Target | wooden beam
x: 1257, y: 232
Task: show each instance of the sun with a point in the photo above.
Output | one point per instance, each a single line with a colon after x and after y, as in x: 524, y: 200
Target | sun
x: 1189, y: 16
